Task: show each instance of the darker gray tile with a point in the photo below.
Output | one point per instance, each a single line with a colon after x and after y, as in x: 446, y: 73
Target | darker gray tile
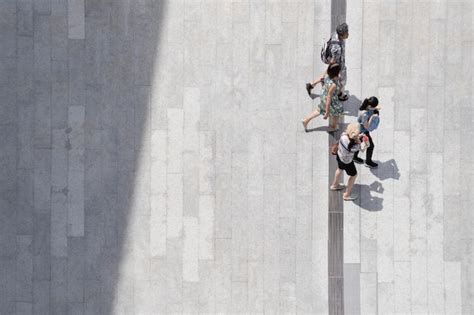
x: 59, y: 99
x: 42, y: 48
x: 42, y: 7
x: 75, y: 308
x: 93, y: 300
x: 41, y: 247
x: 59, y: 285
x: 42, y: 136
x: 94, y: 242
x: 7, y: 223
x: 24, y: 269
x: 7, y: 293
x: 41, y: 297
x: 24, y: 21
x: 75, y: 269
x: 59, y: 72
x: 42, y: 180
x: 59, y: 38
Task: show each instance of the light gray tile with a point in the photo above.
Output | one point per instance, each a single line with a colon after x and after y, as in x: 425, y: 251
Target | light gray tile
x: 368, y: 293
x: 76, y: 28
x: 223, y: 275
x: 239, y: 249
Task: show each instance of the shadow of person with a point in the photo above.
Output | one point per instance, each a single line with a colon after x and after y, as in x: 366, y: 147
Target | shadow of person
x: 386, y: 170
x: 351, y: 106
x: 314, y: 96
x: 366, y: 200
x: 320, y: 128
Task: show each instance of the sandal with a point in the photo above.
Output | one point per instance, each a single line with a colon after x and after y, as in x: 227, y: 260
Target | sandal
x: 350, y: 198
x: 343, y: 97
x: 338, y: 187
x: 305, y: 126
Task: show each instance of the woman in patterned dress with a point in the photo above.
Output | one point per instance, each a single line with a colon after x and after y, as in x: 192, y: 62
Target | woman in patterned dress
x: 330, y: 106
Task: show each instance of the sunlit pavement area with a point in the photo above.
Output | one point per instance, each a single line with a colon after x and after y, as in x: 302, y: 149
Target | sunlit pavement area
x: 153, y: 158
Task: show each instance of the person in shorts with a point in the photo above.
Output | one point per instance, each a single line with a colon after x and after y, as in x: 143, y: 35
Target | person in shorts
x: 350, y: 142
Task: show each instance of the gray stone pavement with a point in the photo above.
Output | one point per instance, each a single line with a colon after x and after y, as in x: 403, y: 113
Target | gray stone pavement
x: 153, y: 159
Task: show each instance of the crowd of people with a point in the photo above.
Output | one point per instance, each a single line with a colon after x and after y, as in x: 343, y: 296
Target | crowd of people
x: 356, y: 138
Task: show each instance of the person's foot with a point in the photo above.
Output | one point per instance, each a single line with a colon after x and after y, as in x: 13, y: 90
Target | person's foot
x: 305, y: 125
x: 371, y: 164
x: 342, y: 97
x: 339, y: 186
x: 309, y: 87
x: 349, y: 197
x: 358, y: 160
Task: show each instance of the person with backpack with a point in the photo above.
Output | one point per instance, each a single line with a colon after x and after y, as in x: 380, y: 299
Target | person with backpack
x: 369, y: 120
x: 334, y: 51
x: 330, y: 106
x: 350, y: 142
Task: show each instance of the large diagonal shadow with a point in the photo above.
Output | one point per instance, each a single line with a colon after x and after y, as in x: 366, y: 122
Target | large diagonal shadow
x: 123, y: 36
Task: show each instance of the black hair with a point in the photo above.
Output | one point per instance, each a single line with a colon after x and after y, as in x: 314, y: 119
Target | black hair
x: 333, y: 70
x: 342, y: 29
x: 372, y: 101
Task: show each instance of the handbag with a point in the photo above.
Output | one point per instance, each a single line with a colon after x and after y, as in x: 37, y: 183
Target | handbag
x: 334, y: 148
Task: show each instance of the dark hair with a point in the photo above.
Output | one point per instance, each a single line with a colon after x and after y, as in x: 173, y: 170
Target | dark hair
x: 372, y: 101
x: 342, y: 29
x: 333, y: 70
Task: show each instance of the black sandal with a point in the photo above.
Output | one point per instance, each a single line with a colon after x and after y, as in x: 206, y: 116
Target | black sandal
x: 343, y: 97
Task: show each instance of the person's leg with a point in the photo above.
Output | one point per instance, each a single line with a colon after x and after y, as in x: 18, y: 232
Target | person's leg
x: 308, y: 118
x: 357, y: 159
x: 350, y: 184
x: 370, y: 149
x: 337, y: 177
x: 333, y: 123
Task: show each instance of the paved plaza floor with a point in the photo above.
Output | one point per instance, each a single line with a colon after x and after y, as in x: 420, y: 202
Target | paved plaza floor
x: 153, y: 159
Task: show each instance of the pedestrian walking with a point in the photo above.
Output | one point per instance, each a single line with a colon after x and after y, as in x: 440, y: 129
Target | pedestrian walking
x: 334, y: 51
x: 349, y: 143
x: 369, y: 120
x: 330, y: 106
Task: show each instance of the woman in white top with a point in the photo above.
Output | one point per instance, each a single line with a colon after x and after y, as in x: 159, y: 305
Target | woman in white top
x: 350, y: 142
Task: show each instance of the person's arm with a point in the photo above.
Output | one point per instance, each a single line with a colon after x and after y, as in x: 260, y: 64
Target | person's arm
x: 331, y: 91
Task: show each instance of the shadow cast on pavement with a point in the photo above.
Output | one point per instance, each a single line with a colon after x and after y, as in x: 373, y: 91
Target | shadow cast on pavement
x: 366, y: 200
x: 386, y: 170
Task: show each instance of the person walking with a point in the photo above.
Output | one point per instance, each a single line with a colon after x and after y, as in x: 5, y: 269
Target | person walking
x: 369, y: 120
x: 330, y: 106
x: 335, y: 52
x: 349, y: 143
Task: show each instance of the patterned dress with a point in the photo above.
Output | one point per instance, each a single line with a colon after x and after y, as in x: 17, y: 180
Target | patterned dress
x: 335, y: 108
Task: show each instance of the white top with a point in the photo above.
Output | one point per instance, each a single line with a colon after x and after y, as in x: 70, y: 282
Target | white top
x: 343, y: 152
